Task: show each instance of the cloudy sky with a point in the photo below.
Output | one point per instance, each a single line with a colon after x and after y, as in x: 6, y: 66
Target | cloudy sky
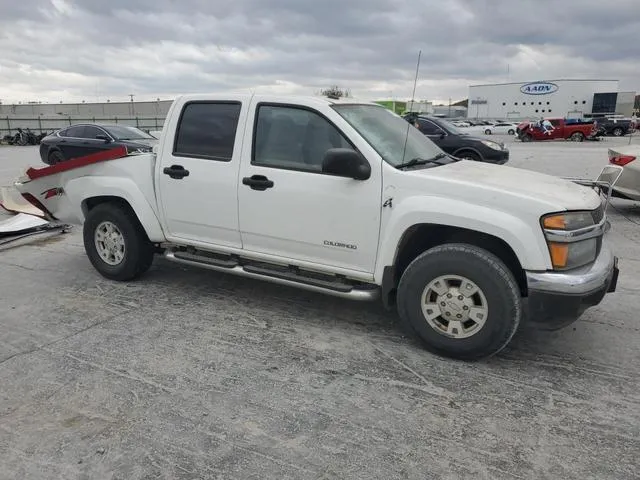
x: 71, y: 50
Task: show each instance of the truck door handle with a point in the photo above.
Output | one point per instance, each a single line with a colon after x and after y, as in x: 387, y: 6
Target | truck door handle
x: 176, y: 172
x: 257, y: 182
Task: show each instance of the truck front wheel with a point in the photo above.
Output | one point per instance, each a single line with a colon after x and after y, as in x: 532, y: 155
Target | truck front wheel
x: 461, y: 301
x: 116, y: 243
x: 576, y: 137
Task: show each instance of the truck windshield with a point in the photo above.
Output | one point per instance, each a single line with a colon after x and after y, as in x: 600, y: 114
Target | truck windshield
x: 387, y: 133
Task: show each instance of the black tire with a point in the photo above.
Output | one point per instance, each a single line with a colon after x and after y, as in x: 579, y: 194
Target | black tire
x: 487, y: 131
x: 617, y: 132
x: 511, y: 132
x: 138, y: 250
x: 489, y: 273
x: 527, y: 137
x: 55, y: 157
x: 577, y: 137
x: 467, y: 155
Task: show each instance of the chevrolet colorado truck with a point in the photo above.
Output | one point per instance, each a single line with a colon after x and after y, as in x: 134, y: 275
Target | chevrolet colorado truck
x: 557, y: 129
x: 345, y: 198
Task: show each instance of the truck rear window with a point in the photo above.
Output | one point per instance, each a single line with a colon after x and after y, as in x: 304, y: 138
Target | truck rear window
x: 207, y: 130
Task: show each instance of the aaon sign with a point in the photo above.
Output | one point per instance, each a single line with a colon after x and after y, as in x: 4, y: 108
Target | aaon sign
x: 539, y: 88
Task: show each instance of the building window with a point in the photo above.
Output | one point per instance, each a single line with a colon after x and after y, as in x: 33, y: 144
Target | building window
x: 543, y: 110
x: 504, y: 103
x: 549, y: 110
x: 536, y: 110
x: 532, y: 103
x: 584, y: 102
x: 516, y: 103
x: 576, y: 102
x: 604, y: 102
x: 547, y: 103
x: 539, y: 103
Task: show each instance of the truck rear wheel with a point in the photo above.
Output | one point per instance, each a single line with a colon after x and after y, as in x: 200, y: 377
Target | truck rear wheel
x: 461, y: 301
x: 116, y: 243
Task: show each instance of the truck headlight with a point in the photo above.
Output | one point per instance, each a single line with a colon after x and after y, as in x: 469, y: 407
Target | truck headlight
x: 567, y: 221
x: 572, y: 238
x: 493, y: 145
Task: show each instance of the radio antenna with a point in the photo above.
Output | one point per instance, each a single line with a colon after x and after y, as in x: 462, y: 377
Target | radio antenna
x: 413, y: 95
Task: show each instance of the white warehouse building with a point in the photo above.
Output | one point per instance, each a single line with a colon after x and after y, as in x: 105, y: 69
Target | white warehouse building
x: 549, y: 98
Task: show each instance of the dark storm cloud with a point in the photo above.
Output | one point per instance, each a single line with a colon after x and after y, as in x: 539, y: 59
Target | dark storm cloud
x: 157, y: 47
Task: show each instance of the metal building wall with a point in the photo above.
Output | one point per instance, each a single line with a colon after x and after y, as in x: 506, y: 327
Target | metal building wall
x: 570, y: 98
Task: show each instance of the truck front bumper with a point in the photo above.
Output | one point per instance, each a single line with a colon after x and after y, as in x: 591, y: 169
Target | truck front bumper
x: 557, y: 299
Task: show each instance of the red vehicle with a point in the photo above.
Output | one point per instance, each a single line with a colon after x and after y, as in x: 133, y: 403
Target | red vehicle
x: 558, y: 128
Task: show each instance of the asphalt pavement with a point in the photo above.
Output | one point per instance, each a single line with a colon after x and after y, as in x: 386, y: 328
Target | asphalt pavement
x: 190, y: 374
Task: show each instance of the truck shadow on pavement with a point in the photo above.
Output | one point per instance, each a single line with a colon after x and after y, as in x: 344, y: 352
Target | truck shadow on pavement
x: 275, y: 306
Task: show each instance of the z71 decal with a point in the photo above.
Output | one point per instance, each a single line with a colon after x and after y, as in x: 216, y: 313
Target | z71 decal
x: 52, y: 192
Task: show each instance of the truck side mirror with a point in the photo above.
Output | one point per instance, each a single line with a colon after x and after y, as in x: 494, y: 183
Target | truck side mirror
x: 346, y: 163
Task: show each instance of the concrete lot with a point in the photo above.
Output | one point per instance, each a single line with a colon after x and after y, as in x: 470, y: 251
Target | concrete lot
x: 192, y: 374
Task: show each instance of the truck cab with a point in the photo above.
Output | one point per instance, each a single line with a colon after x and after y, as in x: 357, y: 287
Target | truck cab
x: 348, y: 199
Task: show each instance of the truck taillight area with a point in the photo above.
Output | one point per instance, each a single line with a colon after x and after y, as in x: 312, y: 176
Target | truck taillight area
x: 621, y: 160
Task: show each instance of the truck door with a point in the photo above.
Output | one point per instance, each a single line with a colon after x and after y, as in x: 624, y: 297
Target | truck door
x: 558, y: 128
x: 289, y: 208
x: 198, y: 173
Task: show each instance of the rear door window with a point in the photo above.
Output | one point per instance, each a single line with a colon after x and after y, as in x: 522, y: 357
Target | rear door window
x: 76, y: 131
x: 207, y: 130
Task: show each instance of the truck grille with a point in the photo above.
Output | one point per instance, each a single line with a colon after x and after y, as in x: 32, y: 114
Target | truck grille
x: 598, y: 214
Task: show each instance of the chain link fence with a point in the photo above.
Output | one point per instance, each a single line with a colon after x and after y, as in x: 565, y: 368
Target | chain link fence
x: 42, y: 124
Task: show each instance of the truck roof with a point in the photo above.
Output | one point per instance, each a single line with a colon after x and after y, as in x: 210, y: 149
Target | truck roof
x: 302, y: 99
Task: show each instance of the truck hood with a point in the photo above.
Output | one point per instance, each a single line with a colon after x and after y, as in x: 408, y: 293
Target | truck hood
x: 557, y: 193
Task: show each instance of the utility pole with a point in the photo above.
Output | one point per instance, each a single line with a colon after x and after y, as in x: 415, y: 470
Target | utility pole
x: 131, y: 109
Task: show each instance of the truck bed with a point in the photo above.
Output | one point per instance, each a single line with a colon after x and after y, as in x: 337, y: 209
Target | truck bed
x: 58, y: 190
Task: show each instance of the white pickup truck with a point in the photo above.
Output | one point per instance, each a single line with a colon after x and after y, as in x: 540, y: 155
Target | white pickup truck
x: 345, y: 198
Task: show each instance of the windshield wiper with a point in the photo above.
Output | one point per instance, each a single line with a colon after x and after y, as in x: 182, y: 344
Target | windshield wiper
x: 423, y: 161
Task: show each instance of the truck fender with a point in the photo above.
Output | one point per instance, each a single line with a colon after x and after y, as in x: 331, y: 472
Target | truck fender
x: 527, y: 243
x: 81, y: 189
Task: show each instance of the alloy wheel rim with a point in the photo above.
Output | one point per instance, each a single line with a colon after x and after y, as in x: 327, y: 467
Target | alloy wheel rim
x: 109, y: 243
x: 454, y: 306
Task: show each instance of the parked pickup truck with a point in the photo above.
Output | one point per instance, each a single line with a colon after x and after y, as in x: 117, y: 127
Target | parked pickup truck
x: 344, y: 198
x: 556, y: 129
x: 615, y: 126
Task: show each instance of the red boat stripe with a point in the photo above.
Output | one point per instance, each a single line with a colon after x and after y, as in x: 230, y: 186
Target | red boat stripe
x: 103, y: 156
